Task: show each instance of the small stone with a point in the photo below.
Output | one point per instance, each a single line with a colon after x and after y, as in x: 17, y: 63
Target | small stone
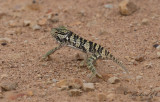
x: 42, y: 21
x: 26, y: 22
x: 110, y: 6
x: 157, y: 89
x: 4, y: 41
x: 158, y: 54
x: 88, y: 86
x: 9, y: 86
x: 127, y: 7
x: 1, y: 95
x: 75, y: 84
x: 80, y: 56
x: 106, y: 76
x: 140, y: 58
x: 36, y: 27
x: 4, y: 76
x: 113, y: 80
x: 54, y: 80
x: 102, y: 97
x: 145, y: 21
x: 62, y: 83
x: 139, y: 77
x: 29, y: 93
x: 12, y: 23
x: 156, y: 45
x: 149, y: 65
x: 121, y: 90
x: 63, y: 88
x: 111, y: 97
x: 75, y: 92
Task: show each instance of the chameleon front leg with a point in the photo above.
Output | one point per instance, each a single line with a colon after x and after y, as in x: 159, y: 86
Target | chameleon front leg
x: 90, y: 64
x: 51, y: 52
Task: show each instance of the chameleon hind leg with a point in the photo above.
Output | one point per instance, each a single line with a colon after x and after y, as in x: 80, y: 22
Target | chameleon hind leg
x: 90, y: 64
x: 46, y: 56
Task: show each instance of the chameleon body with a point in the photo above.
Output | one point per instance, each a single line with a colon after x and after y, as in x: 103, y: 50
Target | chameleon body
x: 66, y: 37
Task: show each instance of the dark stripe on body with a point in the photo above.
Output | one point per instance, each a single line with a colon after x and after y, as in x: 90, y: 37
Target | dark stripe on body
x: 94, y: 47
x: 75, y: 39
x: 100, y: 48
x: 106, y: 53
x: 69, y: 36
x: 90, y: 46
x: 82, y: 42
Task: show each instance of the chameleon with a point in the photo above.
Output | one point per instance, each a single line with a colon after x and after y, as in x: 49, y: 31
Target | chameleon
x: 66, y: 37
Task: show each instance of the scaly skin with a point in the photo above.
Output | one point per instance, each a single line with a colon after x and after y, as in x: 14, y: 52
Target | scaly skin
x: 66, y: 37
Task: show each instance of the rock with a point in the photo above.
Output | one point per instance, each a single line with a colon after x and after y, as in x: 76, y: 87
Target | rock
x: 157, y: 89
x: 149, y: 65
x: 4, y: 41
x: 36, y: 27
x: 157, y: 46
x: 106, y: 76
x: 140, y: 58
x: 158, y: 54
x: 113, y: 80
x: 4, y: 76
x: 54, y: 80
x: 80, y: 56
x: 121, y: 90
x: 62, y: 83
x: 63, y: 88
x: 9, y: 86
x: 139, y: 77
x: 26, y: 23
x: 75, y: 92
x: 145, y: 21
x: 102, y: 97
x: 111, y: 97
x: 42, y: 21
x: 29, y: 93
x: 75, y: 84
x: 127, y: 7
x: 88, y: 87
x: 1, y: 95
x: 12, y: 24
x: 109, y: 6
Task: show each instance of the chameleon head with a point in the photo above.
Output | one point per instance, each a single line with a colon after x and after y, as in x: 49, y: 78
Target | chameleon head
x: 60, y: 33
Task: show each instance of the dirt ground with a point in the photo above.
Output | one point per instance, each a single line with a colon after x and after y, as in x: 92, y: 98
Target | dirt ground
x: 129, y: 38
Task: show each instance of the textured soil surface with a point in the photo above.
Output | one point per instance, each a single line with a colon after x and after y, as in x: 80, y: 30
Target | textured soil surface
x: 129, y: 38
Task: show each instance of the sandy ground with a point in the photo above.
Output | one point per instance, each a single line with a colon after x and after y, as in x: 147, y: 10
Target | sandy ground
x: 127, y: 37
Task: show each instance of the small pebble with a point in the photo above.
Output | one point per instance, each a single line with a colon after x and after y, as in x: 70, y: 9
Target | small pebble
x: 113, y: 80
x: 26, y: 22
x: 158, y: 54
x: 111, y: 97
x: 62, y: 83
x: 157, y: 46
x: 9, y: 86
x: 102, y: 97
x: 54, y: 80
x: 42, y: 21
x: 75, y: 92
x: 13, y: 23
x: 157, y: 89
x: 110, y: 6
x: 140, y: 58
x: 36, y: 27
x: 127, y: 7
x: 139, y: 77
x: 88, y: 86
x: 4, y: 41
x: 145, y: 21
x: 4, y: 76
